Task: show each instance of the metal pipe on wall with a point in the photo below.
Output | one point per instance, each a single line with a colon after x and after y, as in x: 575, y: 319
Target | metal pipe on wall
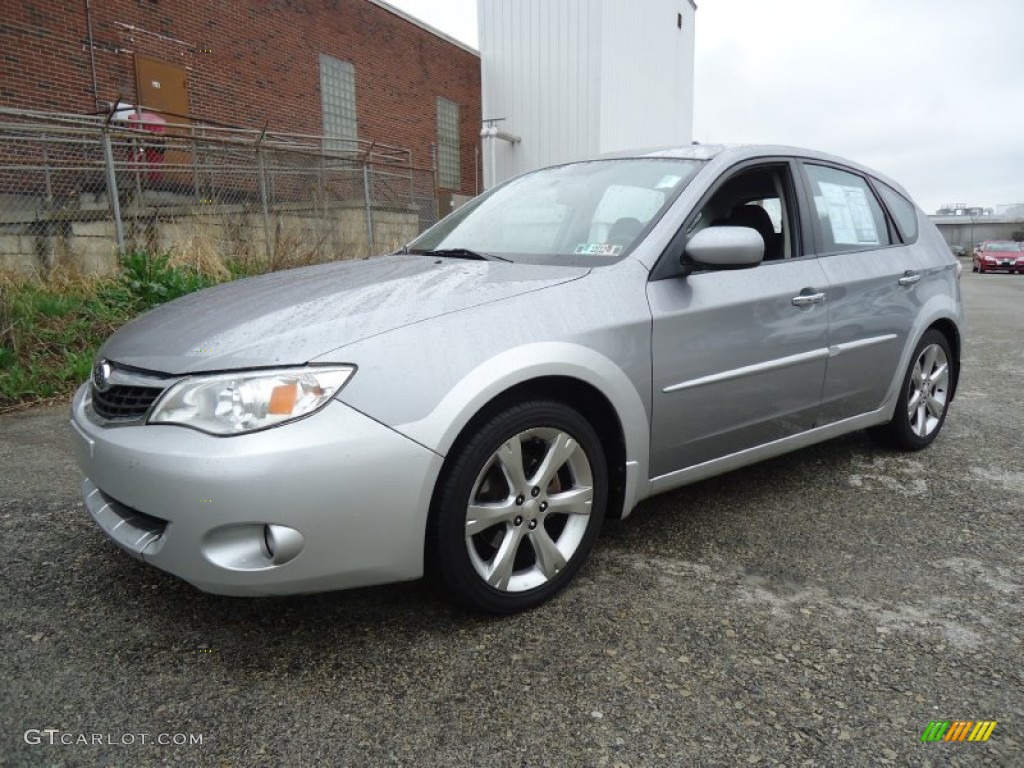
x: 92, y: 55
x: 491, y: 134
x: 494, y: 156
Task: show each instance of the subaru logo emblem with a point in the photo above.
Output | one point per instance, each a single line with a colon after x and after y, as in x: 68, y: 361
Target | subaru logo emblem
x: 101, y: 375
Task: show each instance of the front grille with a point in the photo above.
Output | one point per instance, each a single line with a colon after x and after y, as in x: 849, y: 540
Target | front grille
x: 124, y: 402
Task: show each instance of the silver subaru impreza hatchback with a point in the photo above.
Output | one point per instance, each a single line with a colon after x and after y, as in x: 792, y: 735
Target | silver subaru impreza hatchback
x: 474, y: 406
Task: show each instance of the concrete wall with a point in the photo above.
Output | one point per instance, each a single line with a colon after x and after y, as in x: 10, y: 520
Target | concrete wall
x: 296, y: 236
x: 961, y: 230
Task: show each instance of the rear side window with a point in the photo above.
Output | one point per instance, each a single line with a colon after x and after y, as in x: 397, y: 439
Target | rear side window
x: 902, y: 210
x: 849, y: 216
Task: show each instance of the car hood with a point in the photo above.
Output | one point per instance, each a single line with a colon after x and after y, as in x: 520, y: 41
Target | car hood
x: 291, y: 317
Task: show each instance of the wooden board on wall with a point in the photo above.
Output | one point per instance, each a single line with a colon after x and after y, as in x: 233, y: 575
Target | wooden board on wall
x: 162, y: 88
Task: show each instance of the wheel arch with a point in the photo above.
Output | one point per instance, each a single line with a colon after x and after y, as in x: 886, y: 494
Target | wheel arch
x: 579, y: 395
x: 951, y: 331
x: 939, y: 313
x: 580, y: 377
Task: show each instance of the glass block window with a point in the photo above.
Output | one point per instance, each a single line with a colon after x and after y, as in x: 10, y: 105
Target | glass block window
x: 449, y: 172
x: 338, y: 96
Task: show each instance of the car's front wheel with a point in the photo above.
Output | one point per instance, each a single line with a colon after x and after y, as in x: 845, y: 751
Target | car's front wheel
x: 518, y: 507
x: 924, y: 396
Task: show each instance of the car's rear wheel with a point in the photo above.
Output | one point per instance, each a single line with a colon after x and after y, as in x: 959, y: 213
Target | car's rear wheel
x: 924, y: 397
x: 518, y: 508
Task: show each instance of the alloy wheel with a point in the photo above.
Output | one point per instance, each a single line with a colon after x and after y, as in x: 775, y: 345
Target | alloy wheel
x: 529, y: 509
x: 928, y: 391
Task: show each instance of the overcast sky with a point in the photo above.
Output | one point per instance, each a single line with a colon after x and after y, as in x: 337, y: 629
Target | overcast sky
x: 930, y: 92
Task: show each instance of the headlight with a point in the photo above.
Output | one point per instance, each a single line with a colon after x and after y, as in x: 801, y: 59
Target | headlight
x: 245, y: 401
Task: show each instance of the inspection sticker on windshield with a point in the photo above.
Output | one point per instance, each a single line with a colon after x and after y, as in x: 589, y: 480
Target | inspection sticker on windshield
x: 598, y: 249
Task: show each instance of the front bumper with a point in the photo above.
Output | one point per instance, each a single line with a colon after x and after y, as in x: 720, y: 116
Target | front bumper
x: 348, y: 496
x: 1003, y: 265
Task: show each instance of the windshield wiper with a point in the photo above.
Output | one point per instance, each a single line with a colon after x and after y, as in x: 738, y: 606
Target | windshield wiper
x: 461, y: 253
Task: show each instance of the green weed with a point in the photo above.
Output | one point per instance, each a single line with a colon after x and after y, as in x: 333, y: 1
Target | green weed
x: 50, y: 331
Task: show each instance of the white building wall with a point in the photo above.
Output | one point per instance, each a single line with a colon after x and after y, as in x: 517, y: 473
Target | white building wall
x: 575, y: 78
x: 646, y: 74
x: 540, y: 70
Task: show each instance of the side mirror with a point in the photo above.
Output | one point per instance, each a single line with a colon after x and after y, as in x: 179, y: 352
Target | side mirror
x: 723, y: 248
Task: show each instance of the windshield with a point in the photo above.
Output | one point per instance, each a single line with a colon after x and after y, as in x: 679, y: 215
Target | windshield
x: 1002, y: 247
x: 583, y: 213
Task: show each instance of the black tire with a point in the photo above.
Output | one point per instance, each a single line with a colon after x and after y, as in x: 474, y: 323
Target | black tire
x: 913, y: 434
x: 526, y: 518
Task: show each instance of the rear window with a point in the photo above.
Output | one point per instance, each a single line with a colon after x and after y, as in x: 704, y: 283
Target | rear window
x: 902, y: 210
x: 849, y: 217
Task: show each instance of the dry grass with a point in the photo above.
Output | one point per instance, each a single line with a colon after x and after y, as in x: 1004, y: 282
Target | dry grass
x: 297, y: 247
x: 196, y: 246
x: 218, y: 248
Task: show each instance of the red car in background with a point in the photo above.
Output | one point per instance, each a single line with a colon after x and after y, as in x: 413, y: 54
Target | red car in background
x: 999, y: 255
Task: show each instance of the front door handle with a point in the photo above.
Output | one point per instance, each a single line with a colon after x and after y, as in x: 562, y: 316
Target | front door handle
x: 909, y: 278
x: 807, y: 299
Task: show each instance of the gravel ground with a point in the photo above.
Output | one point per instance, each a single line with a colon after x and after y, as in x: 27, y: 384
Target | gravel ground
x: 818, y: 609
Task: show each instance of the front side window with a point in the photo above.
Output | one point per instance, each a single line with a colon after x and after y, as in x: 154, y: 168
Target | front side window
x: 448, y: 167
x: 849, y: 217
x: 338, y: 99
x: 760, y: 198
x: 582, y: 213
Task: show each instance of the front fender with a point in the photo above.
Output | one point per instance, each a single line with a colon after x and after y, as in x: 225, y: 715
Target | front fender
x: 439, y: 428
x: 427, y: 381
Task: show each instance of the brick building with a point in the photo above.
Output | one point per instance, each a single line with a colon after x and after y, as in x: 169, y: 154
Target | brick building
x: 344, y: 69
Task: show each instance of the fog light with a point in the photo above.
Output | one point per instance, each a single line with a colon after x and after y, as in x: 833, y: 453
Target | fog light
x: 252, y: 546
x: 283, y: 544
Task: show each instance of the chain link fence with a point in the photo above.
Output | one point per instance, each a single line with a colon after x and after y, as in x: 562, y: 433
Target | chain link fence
x: 79, y: 191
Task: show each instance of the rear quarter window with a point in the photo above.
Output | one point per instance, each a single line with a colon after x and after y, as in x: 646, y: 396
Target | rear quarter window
x: 903, y: 211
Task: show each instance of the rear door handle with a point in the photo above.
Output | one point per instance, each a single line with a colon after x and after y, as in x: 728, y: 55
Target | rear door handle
x: 807, y: 299
x: 909, y: 278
